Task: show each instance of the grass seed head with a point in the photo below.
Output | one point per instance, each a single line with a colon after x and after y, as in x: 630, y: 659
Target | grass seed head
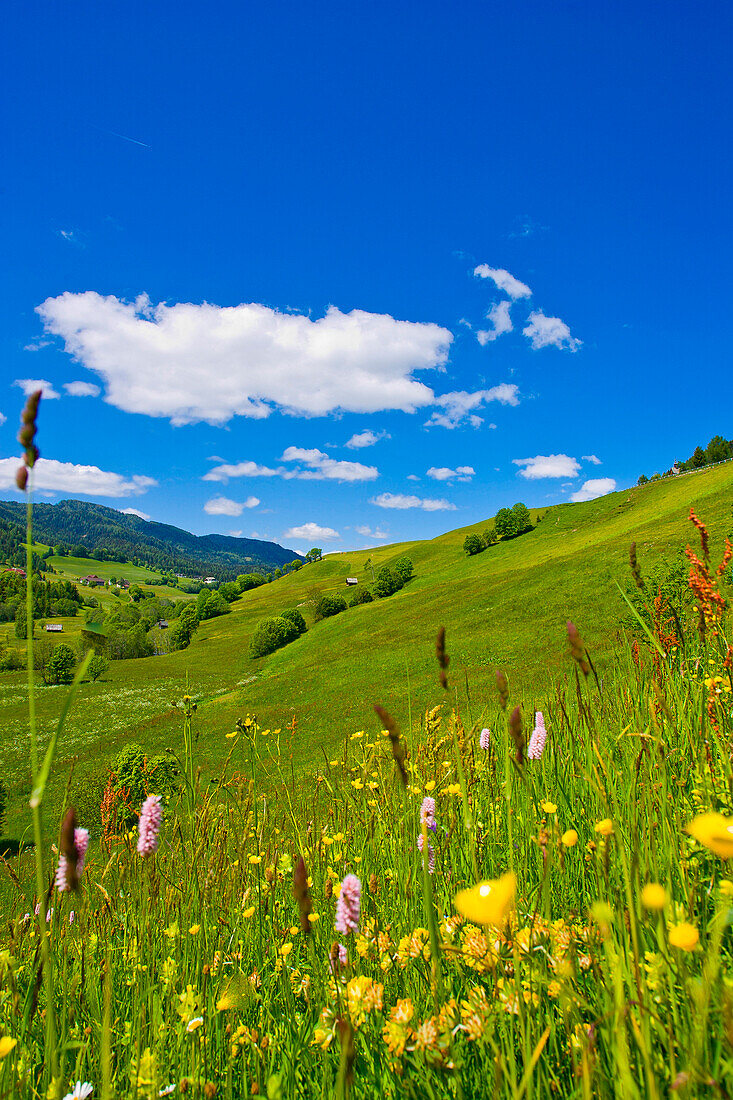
x: 577, y: 649
x: 443, y: 658
x: 516, y: 731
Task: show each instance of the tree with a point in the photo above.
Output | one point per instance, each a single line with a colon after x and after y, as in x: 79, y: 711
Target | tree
x: 272, y: 634
x: 294, y: 616
x: 184, y: 628
x: 522, y: 518
x: 278, y: 572
x: 330, y: 604
x: 229, y: 591
x: 360, y: 596
x: 214, y: 606
x: 246, y: 581
x: 403, y: 570
x: 136, y: 592
x: 61, y: 664
x: 314, y: 554
x: 21, y: 623
x: 472, y: 545
x: 386, y: 583
x: 505, y: 523
x: 489, y: 536
x: 296, y: 564
x: 643, y: 479
x: 97, y: 667
x: 718, y: 450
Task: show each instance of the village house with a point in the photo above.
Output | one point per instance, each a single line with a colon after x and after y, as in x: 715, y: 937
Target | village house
x: 92, y: 580
x: 54, y: 628
x: 352, y: 580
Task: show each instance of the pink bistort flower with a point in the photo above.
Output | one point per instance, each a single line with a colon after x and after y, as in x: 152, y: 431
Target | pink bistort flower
x: 348, y: 907
x: 151, y: 816
x: 539, y: 735
x: 427, y: 813
x: 81, y: 843
x: 485, y: 739
x: 431, y: 853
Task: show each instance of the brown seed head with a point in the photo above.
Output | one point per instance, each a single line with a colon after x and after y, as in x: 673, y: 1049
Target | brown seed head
x: 635, y: 570
x: 443, y: 658
x: 502, y: 687
x: 399, y: 752
x: 373, y: 884
x: 516, y: 731
x: 577, y: 649
x: 21, y: 478
x: 328, y: 889
x: 302, y: 895
x: 68, y: 847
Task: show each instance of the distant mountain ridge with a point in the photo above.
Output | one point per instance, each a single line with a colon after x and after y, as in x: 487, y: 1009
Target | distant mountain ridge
x: 157, y: 545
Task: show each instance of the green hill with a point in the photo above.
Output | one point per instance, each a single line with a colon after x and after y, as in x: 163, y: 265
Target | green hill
x: 506, y: 607
x: 156, y: 545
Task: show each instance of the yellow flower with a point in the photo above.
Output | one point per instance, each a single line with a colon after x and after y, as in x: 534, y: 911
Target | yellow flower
x: 6, y: 1045
x: 605, y: 827
x: 487, y: 902
x: 715, y: 832
x: 313, y: 917
x: 357, y: 784
x: 549, y: 807
x: 194, y: 929
x: 430, y: 785
x: 334, y: 763
x: 569, y: 838
x: 684, y: 935
x: 255, y: 859
x: 356, y: 736
x: 194, y: 1024
x: 286, y: 949
x: 653, y: 896
x: 726, y: 888
x: 453, y: 788
x: 248, y: 912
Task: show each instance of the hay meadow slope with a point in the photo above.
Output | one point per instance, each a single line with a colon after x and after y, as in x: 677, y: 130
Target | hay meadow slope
x: 505, y: 607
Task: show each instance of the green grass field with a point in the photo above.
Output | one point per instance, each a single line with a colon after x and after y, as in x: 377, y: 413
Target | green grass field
x: 506, y: 607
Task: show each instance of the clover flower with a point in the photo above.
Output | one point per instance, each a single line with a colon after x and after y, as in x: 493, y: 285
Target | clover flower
x: 539, y: 735
x: 81, y: 843
x: 348, y: 907
x: 151, y: 816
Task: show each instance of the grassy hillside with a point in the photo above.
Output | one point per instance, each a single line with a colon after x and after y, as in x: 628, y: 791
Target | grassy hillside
x: 505, y: 608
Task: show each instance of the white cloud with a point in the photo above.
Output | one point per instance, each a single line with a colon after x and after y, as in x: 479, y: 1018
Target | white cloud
x: 412, y: 477
x: 596, y: 487
x: 311, y: 532
x: 546, y: 332
x: 366, y: 439
x: 3, y: 418
x: 192, y: 362
x: 547, y: 466
x: 500, y: 320
x: 223, y: 506
x: 460, y: 406
x: 444, y: 473
x: 30, y: 385
x: 235, y: 534
x: 318, y: 467
x: 82, y: 389
x: 400, y: 500
x: 592, y: 458
x: 134, y: 512
x: 239, y: 469
x: 323, y: 468
x: 367, y: 532
x: 67, y: 477
x: 504, y: 281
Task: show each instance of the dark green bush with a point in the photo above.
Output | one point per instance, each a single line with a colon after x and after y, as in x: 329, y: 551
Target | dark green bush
x: 472, y: 544
x: 330, y: 604
x: 295, y: 617
x: 360, y: 596
x: 386, y: 583
x: 272, y: 634
x: 136, y: 775
x: 61, y: 664
x: 403, y: 570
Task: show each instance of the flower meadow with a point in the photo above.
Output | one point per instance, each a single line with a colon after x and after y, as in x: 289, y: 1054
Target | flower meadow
x: 530, y: 903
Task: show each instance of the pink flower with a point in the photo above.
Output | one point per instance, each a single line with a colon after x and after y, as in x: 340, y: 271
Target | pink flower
x: 151, y: 816
x: 431, y: 854
x: 537, y: 741
x: 338, y: 960
x: 81, y: 843
x: 427, y: 813
x: 485, y: 740
x: 348, y: 907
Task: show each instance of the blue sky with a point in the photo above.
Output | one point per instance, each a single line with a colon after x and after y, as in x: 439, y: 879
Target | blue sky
x: 489, y: 243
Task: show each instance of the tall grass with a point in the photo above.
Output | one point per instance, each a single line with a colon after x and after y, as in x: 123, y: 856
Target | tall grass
x: 609, y: 975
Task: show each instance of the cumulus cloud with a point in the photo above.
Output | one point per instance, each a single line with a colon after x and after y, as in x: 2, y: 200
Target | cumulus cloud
x: 318, y: 467
x: 190, y: 363
x: 311, y: 532
x: 504, y: 281
x: 500, y: 320
x: 223, y: 506
x: 444, y: 473
x: 592, y: 458
x: 366, y: 439
x: 82, y: 389
x: 134, y: 512
x: 460, y: 407
x: 547, y: 466
x: 596, y: 487
x: 49, y: 475
x: 400, y: 500
x: 30, y: 385
x: 546, y: 332
x: 367, y: 532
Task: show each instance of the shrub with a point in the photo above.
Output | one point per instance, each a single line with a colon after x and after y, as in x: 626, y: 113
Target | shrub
x: 330, y: 604
x: 213, y: 606
x: 97, y: 666
x: 403, y: 570
x: 11, y: 661
x: 61, y: 664
x: 386, y: 583
x: 361, y: 595
x: 295, y: 617
x: 135, y: 776
x: 184, y: 628
x: 245, y: 581
x: 472, y: 545
x: 272, y: 634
